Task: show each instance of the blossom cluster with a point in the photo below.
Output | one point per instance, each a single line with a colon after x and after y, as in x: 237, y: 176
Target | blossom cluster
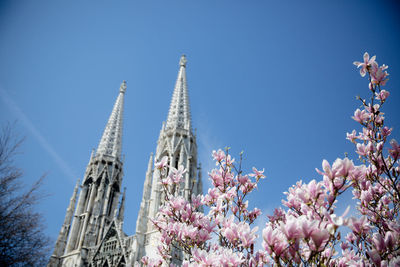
x: 307, y: 231
x: 222, y: 237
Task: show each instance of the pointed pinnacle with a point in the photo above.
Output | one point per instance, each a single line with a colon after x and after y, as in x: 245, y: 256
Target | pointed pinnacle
x: 183, y: 61
x: 77, y: 185
x: 179, y: 111
x: 150, y: 164
x: 111, y: 140
x: 122, y: 88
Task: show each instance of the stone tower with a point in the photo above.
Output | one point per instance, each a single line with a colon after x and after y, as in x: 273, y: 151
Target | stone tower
x: 98, y: 198
x: 178, y: 142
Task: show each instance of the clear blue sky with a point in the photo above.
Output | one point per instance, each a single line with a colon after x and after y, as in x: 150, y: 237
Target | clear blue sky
x: 272, y: 78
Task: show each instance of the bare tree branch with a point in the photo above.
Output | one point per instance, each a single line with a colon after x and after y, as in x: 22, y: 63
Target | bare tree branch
x: 22, y: 241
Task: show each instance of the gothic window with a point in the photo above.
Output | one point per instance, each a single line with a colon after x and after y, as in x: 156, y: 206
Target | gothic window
x: 89, y: 192
x: 110, y: 246
x: 110, y: 202
x: 192, y: 172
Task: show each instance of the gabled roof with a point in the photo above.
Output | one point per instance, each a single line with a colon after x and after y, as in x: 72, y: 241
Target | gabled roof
x: 111, y: 248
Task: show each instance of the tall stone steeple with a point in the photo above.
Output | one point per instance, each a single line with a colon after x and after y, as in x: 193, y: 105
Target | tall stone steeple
x: 101, y: 189
x: 111, y: 141
x: 179, y: 110
x: 178, y: 142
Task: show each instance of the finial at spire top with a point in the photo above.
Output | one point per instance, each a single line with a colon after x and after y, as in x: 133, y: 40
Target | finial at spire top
x: 183, y: 61
x: 122, y: 88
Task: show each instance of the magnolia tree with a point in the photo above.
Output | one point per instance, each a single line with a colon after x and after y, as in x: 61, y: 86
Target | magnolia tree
x: 307, y: 231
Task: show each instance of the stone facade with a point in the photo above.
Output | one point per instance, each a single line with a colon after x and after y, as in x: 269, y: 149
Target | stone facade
x: 92, y: 233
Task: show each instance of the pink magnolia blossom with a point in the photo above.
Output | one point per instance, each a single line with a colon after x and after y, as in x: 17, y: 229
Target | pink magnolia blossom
x: 375, y: 257
x: 361, y: 116
x: 258, y: 174
x: 358, y: 173
x: 230, y: 231
x: 359, y: 226
x: 151, y: 262
x: 379, y: 242
x: 379, y: 76
x: 243, y: 179
x: 279, y: 215
x: 166, y: 181
x: 291, y: 229
x: 177, y: 203
x: 218, y: 156
x: 204, y: 258
x: 307, y: 226
x: 362, y: 149
x: 372, y: 108
x: 342, y: 167
x: 368, y: 62
x: 390, y: 238
x: 274, y: 241
x: 352, y: 136
x: 319, y: 237
x: 254, y: 214
x: 382, y: 95
x: 247, y: 235
x: 230, y: 258
x: 386, y: 131
x: 162, y: 163
x: 349, y: 258
x: 326, y: 167
x: 176, y: 174
x: 395, y: 150
x: 229, y: 160
x: 219, y: 207
x: 337, y: 221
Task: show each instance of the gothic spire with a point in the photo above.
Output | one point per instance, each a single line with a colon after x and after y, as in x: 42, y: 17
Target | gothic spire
x: 111, y: 141
x: 179, y: 111
x: 150, y: 164
x: 71, y: 207
x: 63, y: 235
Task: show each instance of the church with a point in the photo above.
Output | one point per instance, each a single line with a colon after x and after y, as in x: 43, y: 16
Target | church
x: 92, y: 233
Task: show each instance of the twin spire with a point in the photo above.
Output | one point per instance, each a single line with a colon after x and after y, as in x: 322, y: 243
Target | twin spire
x: 111, y: 141
x: 178, y: 116
x: 179, y: 111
